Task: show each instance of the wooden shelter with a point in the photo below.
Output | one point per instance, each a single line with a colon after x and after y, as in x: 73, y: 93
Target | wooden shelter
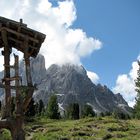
x: 17, y: 35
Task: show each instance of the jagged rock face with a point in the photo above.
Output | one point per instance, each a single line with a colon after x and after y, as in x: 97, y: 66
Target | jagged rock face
x: 38, y: 70
x: 71, y: 84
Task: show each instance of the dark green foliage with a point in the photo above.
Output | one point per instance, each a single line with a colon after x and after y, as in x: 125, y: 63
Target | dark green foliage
x: 118, y: 114
x: 73, y: 111
x: 40, y: 106
x: 137, y: 109
x: 31, y: 110
x: 107, y: 113
x: 137, y: 105
x: 52, y: 108
x: 101, y: 114
x: 88, y: 111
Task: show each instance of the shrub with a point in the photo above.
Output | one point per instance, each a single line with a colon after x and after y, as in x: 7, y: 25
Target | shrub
x: 88, y: 111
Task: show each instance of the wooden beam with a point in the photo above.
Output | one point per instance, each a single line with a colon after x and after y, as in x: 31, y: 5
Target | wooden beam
x: 19, y: 34
x: 21, y: 42
x: 14, y: 87
x: 12, y: 78
x: 15, y: 40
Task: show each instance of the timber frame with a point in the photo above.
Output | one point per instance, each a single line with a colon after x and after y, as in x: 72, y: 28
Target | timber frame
x: 17, y: 35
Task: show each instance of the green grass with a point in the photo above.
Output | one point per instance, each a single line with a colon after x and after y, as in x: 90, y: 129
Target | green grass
x: 105, y: 128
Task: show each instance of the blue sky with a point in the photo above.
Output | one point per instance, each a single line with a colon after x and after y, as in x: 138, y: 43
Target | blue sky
x: 102, y: 35
x: 117, y: 24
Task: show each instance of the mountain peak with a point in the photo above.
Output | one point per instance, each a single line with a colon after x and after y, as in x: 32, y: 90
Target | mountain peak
x: 71, y: 84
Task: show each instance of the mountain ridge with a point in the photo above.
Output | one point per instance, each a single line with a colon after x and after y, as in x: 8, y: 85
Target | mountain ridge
x: 71, y: 84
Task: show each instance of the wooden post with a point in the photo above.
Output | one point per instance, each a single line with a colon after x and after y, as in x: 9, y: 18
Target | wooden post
x: 7, y: 51
x: 27, y: 64
x: 28, y: 77
x: 18, y: 132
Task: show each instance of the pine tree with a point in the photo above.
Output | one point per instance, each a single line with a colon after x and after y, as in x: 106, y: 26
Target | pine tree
x: 52, y: 108
x: 41, y: 106
x: 73, y: 111
x: 137, y: 105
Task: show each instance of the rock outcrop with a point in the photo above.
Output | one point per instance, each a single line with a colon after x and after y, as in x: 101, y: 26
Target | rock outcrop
x: 71, y: 84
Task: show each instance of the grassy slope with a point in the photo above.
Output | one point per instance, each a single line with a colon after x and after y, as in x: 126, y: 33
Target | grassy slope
x: 106, y: 128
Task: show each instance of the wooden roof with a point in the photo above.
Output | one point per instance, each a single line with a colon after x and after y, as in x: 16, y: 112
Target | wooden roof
x: 21, y: 37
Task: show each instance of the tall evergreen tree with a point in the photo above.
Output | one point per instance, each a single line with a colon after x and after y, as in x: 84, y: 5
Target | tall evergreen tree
x: 41, y: 106
x: 52, y: 108
x: 73, y: 111
x: 137, y: 105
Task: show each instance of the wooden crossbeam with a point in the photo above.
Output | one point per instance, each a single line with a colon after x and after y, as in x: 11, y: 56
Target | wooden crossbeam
x: 20, y: 87
x: 12, y: 78
x: 19, y: 34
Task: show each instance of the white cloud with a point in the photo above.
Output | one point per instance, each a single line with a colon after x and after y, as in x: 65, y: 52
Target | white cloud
x: 125, y: 84
x: 93, y: 77
x: 63, y: 44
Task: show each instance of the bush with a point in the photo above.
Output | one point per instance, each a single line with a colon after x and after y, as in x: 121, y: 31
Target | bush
x: 88, y: 111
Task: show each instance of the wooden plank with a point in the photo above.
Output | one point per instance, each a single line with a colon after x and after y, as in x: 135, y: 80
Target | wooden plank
x: 15, y: 40
x: 19, y: 34
x: 11, y: 78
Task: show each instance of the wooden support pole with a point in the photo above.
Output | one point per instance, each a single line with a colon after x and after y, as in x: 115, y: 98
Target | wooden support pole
x: 27, y: 64
x: 19, y: 133
x: 7, y: 51
x: 19, y: 99
x: 30, y: 89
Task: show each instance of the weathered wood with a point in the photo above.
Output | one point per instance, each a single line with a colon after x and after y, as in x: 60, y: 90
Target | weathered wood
x: 7, y: 51
x: 28, y: 98
x: 27, y: 64
x: 11, y: 78
x: 19, y: 105
x: 17, y: 35
x: 14, y: 87
x: 8, y: 66
x: 29, y: 80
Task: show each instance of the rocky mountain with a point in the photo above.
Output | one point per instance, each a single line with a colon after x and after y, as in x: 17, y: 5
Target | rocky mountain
x: 71, y: 84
